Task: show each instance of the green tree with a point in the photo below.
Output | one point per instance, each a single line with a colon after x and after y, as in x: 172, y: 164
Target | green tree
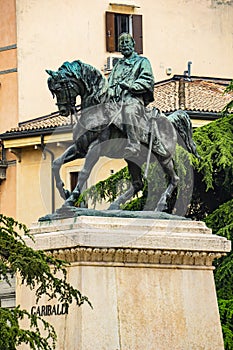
x: 221, y: 222
x: 213, y: 183
x: 221, y: 219
x: 38, y: 271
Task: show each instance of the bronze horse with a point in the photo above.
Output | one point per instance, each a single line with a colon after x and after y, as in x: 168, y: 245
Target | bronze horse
x: 98, y: 132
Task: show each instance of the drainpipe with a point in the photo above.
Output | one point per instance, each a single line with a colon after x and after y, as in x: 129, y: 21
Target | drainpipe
x: 187, y: 73
x: 44, y: 150
x: 189, y: 69
x: 3, y: 162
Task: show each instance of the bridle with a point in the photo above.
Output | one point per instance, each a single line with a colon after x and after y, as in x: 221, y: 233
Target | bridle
x: 67, y: 85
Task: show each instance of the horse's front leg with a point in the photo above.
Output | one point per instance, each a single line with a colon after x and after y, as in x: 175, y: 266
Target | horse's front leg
x: 69, y: 155
x: 168, y: 168
x: 92, y: 157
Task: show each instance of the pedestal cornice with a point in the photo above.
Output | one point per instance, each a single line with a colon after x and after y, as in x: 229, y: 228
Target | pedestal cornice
x: 130, y: 241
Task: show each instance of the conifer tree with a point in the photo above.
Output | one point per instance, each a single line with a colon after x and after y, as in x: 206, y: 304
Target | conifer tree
x: 38, y: 271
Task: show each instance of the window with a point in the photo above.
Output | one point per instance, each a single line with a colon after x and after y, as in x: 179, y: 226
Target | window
x: 73, y: 182
x: 73, y: 179
x: 123, y: 24
x: 7, y: 293
x: 117, y: 23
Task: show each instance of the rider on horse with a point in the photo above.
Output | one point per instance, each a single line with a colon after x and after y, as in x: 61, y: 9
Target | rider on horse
x: 132, y: 80
x: 131, y: 88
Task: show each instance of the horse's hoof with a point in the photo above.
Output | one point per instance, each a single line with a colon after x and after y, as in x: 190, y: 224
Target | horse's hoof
x: 67, y: 194
x: 161, y: 208
x: 114, y: 206
x: 68, y: 204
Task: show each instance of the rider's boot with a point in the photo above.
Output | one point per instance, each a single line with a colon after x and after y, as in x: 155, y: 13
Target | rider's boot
x: 133, y: 146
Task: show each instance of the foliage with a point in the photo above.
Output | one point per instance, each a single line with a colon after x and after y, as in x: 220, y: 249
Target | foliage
x: 107, y: 190
x: 229, y: 106
x: 221, y: 222
x: 12, y: 335
x: 226, y: 315
x: 213, y: 184
x: 34, y: 268
x: 214, y: 143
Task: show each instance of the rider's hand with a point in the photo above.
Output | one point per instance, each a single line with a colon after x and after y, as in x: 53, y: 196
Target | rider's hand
x: 124, y: 86
x: 111, y: 93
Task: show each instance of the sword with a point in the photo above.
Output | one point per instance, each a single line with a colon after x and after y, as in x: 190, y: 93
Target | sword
x: 152, y: 119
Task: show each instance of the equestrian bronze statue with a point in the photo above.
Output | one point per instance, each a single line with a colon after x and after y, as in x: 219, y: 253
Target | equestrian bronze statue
x: 99, y: 130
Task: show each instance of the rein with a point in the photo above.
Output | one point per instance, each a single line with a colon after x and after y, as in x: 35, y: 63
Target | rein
x: 71, y: 104
x: 73, y: 109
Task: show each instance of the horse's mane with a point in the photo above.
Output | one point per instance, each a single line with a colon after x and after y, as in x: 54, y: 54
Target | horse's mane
x: 95, y: 83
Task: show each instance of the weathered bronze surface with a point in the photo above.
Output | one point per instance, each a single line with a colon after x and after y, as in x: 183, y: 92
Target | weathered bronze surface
x: 132, y: 82
x: 75, y: 212
x: 115, y: 123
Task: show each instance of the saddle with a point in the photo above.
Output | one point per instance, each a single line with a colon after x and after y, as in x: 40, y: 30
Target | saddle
x: 148, y: 120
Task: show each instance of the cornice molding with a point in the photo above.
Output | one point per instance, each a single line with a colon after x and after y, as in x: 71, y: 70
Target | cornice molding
x: 136, y: 256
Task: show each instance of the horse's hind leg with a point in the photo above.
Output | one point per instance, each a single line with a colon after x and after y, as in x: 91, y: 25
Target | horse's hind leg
x: 137, y: 185
x: 168, y: 168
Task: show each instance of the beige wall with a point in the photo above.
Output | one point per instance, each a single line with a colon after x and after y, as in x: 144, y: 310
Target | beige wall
x: 8, y: 99
x: 8, y: 190
x: 28, y: 186
x: 200, y: 31
x: 8, y: 24
x: 8, y: 61
x: 174, y: 32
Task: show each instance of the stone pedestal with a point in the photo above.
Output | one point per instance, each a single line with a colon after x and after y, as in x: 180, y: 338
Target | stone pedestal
x: 150, y: 283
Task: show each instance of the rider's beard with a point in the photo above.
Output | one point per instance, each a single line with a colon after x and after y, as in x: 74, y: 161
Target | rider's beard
x: 127, y: 51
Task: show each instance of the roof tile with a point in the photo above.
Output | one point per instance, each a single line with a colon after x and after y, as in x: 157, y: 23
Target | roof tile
x: 199, y: 95
x: 51, y: 121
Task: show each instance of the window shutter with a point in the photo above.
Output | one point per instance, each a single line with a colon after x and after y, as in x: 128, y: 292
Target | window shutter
x: 73, y: 179
x: 137, y: 32
x: 110, y: 32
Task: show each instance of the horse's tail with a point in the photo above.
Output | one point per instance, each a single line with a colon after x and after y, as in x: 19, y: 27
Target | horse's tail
x: 182, y: 123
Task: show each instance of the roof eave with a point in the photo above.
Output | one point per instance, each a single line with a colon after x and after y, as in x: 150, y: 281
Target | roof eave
x: 199, y: 114
x: 35, y: 132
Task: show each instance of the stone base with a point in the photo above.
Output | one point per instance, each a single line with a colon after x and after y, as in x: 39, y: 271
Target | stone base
x: 150, y: 283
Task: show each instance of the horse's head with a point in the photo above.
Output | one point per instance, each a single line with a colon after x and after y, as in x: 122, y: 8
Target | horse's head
x: 66, y: 88
x: 77, y: 78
